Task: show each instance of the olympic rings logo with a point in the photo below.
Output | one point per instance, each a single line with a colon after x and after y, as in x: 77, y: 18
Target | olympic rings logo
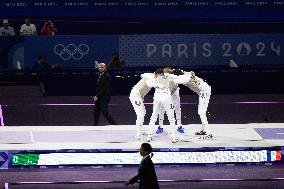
x: 71, y: 51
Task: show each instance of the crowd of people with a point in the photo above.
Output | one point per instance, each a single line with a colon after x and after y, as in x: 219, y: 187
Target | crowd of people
x: 48, y: 29
x: 28, y: 29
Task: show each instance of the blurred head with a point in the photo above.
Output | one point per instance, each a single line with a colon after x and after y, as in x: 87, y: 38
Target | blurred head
x: 177, y: 72
x: 41, y: 59
x: 167, y: 70
x: 49, y: 23
x: 145, y: 149
x: 158, y: 72
x: 115, y: 56
x: 102, y: 67
x: 27, y: 21
x: 5, y: 23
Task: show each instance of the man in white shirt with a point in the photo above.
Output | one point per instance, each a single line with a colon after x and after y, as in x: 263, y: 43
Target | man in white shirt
x: 28, y: 28
x: 6, y: 30
x: 136, y: 97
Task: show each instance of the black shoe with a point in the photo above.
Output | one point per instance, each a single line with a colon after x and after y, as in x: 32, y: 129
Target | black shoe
x: 205, y: 137
x: 200, y: 133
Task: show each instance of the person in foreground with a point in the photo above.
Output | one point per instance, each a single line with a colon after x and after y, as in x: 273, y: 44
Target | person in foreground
x: 146, y: 173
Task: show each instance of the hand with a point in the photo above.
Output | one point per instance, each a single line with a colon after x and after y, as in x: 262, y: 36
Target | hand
x: 126, y: 183
x: 95, y: 98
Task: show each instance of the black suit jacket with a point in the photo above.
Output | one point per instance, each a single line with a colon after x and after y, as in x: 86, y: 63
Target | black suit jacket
x: 146, y: 175
x: 103, y: 87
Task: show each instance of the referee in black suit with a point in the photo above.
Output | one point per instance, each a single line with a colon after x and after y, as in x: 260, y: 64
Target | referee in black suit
x: 102, y: 97
x: 146, y: 173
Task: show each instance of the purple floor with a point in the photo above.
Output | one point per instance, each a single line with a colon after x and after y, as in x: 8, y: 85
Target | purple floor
x: 190, y: 173
x: 270, y: 133
x: 38, y: 110
x: 180, y: 185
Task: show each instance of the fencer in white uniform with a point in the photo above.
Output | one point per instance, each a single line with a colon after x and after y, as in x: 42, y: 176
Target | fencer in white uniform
x: 162, y: 99
x: 136, y: 97
x: 176, y: 101
x: 203, y: 90
x: 177, y: 110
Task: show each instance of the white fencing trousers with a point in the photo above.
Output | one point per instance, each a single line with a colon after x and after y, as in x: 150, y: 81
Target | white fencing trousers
x: 177, y: 111
x: 204, y: 97
x: 139, y: 108
x: 161, y: 116
x: 162, y: 100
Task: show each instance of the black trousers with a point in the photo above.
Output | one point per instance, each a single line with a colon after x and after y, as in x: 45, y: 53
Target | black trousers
x: 102, y: 106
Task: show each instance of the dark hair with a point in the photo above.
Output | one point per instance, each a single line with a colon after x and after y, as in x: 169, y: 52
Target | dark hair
x: 115, y: 61
x: 158, y: 71
x: 147, y: 147
x: 41, y: 57
x: 115, y: 54
x: 178, y: 72
x: 167, y: 67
